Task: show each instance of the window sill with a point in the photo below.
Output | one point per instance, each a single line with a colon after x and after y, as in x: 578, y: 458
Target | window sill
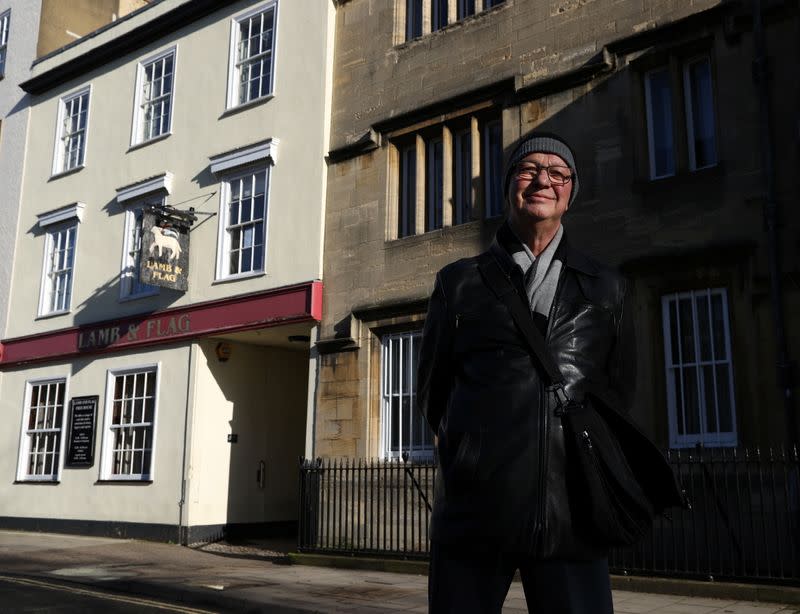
x: 71, y: 171
x: 680, y: 179
x: 54, y: 482
x: 52, y: 314
x: 134, y: 481
x: 246, y: 105
x: 702, y: 444
x: 240, y: 276
x: 160, y: 137
x: 473, y: 226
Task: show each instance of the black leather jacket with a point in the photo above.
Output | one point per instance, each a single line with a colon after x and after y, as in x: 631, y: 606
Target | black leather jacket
x: 501, y: 481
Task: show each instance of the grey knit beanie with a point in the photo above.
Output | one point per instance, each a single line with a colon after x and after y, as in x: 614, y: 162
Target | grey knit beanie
x: 544, y: 142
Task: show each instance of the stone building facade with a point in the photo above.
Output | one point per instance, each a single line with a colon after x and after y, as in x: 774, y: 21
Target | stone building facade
x: 659, y: 102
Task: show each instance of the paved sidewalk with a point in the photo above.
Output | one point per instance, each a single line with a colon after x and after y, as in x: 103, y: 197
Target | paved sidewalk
x: 220, y: 581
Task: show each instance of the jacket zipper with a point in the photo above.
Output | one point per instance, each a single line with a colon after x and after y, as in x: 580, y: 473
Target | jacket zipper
x: 544, y: 425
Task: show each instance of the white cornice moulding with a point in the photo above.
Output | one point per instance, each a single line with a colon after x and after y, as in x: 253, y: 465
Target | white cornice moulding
x: 146, y: 186
x: 62, y: 214
x: 245, y: 155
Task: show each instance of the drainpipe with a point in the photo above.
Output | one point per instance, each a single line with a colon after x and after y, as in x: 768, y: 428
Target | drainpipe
x: 183, y: 537
x: 772, y: 221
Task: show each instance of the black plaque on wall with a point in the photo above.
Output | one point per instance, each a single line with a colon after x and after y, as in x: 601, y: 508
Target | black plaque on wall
x: 82, y: 422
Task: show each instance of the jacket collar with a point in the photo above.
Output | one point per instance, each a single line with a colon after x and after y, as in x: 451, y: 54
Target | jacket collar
x: 504, y: 244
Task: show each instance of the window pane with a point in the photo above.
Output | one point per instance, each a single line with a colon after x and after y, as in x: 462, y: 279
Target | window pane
x: 710, y: 401
x: 394, y: 439
x: 246, y: 260
x: 408, y: 192
x: 691, y: 403
x: 702, y: 138
x: 438, y: 14
x: 659, y: 119
x: 703, y: 327
x: 413, y: 19
x: 465, y: 8
x: 406, y: 409
x: 675, y: 396
x: 434, y: 185
x: 686, y: 330
x: 718, y: 322
x: 724, y: 398
x: 462, y: 176
x: 493, y: 168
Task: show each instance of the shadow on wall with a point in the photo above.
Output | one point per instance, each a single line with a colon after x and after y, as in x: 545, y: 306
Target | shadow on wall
x: 250, y: 416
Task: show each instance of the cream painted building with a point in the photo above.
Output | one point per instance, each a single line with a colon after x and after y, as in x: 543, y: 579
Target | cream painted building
x: 216, y: 111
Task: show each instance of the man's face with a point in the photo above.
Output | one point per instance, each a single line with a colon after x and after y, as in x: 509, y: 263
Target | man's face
x: 535, y: 199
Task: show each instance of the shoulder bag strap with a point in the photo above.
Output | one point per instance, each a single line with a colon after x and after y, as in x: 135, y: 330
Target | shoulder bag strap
x: 500, y: 283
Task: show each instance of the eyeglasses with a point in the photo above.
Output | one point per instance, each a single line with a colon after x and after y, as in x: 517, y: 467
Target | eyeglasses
x: 556, y: 173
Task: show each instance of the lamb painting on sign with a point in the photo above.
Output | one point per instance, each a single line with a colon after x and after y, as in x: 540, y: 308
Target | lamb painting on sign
x: 165, y: 251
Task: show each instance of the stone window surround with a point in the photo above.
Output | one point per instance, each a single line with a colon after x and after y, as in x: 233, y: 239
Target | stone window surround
x: 400, y: 26
x: 675, y: 56
x: 474, y: 119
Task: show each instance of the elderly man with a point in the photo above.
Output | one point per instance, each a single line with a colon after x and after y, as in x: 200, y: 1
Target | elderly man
x: 501, y: 499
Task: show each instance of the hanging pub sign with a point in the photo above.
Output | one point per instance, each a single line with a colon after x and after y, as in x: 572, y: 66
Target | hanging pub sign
x: 82, y: 422
x: 165, y: 247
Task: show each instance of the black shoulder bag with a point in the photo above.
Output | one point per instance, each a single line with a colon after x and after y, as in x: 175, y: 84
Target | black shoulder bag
x: 617, y: 479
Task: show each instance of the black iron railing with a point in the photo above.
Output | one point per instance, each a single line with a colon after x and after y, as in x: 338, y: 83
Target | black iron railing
x: 744, y: 525
x: 365, y: 507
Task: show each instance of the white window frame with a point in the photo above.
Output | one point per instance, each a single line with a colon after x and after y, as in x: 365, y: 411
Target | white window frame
x: 232, y: 100
x: 720, y: 438
x: 5, y: 24
x: 416, y: 452
x: 25, y: 439
x: 223, y: 239
x: 650, y: 130
x: 107, y: 446
x: 46, y: 288
x: 59, y: 159
x: 137, y: 127
x: 129, y: 269
x: 687, y: 98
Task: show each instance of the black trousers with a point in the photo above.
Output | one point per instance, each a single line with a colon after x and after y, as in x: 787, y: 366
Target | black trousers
x: 471, y: 582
